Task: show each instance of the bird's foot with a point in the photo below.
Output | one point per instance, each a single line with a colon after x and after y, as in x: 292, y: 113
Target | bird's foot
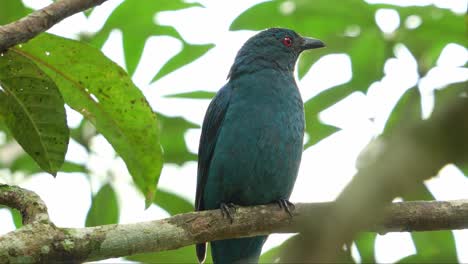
x: 228, y: 210
x: 286, y: 206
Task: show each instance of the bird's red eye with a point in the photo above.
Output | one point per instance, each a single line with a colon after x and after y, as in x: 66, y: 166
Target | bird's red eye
x: 287, y: 41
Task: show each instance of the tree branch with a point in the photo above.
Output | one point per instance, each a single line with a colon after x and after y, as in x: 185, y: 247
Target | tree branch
x: 31, y: 206
x: 41, y: 241
x: 39, y: 21
x: 409, y: 155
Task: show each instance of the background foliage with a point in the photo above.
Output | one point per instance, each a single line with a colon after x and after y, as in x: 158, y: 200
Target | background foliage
x: 39, y: 77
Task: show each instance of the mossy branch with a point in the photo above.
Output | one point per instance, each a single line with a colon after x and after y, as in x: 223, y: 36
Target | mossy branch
x: 41, y: 241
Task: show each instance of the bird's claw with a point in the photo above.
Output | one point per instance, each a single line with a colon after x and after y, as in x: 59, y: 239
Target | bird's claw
x: 286, y: 206
x: 227, y: 210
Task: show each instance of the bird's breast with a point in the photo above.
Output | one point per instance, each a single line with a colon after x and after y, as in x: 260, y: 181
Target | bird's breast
x: 259, y: 146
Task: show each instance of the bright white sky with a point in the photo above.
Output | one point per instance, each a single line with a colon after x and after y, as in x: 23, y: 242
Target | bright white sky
x: 326, y: 168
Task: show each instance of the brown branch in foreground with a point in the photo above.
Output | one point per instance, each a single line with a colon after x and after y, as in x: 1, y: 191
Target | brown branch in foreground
x: 31, y: 206
x: 39, y: 21
x: 40, y: 241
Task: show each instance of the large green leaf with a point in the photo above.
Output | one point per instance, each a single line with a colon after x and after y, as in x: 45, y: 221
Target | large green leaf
x: 172, y: 139
x: 135, y: 19
x: 33, y: 110
x: 172, y: 203
x: 12, y: 10
x: 104, y: 208
x: 104, y: 94
x: 314, y: 127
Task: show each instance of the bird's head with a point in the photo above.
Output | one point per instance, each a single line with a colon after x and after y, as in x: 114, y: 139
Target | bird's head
x: 278, y: 48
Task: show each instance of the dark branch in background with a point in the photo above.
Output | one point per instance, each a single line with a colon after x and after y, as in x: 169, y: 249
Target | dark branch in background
x: 413, y: 153
x: 41, y: 20
x: 41, y: 241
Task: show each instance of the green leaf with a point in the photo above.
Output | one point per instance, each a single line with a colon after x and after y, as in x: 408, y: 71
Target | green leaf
x: 407, y: 110
x: 33, y: 110
x: 188, y: 54
x: 193, y: 95
x: 12, y: 10
x: 365, y: 244
x: 104, y: 208
x: 172, y: 203
x: 172, y: 139
x: 181, y: 255
x: 314, y: 127
x: 136, y: 29
x: 368, y: 47
x: 104, y: 94
x: 17, y: 218
x: 15, y: 215
x: 25, y: 163
x: 441, y: 26
x: 306, y: 17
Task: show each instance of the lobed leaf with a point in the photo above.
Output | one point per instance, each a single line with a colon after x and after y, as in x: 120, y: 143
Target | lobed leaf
x: 136, y: 29
x: 315, y: 128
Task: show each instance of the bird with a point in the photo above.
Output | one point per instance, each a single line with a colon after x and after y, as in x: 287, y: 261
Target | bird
x: 252, y: 137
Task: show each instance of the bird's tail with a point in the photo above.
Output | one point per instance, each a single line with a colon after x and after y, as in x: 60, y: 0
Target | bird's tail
x: 242, y: 250
x: 201, y: 252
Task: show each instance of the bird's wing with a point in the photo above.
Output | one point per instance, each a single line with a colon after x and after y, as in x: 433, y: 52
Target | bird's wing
x: 211, y: 126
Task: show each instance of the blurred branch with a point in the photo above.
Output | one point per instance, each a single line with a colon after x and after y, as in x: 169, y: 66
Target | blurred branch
x: 41, y: 241
x: 41, y: 20
x: 407, y: 157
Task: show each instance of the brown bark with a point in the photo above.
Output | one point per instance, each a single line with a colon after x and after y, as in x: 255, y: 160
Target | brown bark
x: 39, y: 21
x: 41, y: 241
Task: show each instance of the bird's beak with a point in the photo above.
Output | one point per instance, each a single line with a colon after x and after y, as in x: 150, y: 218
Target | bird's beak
x: 310, y: 43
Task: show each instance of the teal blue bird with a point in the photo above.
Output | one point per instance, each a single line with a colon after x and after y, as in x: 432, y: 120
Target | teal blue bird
x: 252, y: 136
